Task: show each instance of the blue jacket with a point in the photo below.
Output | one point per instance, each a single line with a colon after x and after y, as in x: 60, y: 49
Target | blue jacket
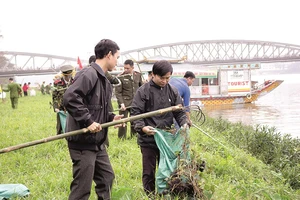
x: 183, y: 89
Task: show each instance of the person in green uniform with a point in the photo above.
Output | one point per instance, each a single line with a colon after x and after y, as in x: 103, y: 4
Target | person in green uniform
x: 43, y: 87
x: 14, y: 89
x: 130, y: 81
x: 48, y: 88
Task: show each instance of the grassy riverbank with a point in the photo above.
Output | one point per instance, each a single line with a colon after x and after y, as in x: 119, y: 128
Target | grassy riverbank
x: 231, y: 170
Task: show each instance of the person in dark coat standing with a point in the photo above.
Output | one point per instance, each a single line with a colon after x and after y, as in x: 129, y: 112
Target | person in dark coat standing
x: 114, y: 81
x: 14, y: 89
x: 130, y: 81
x: 154, y: 95
x: 86, y: 101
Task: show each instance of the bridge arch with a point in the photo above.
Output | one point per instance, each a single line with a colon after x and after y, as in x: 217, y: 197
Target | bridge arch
x: 207, y: 52
x: 15, y: 61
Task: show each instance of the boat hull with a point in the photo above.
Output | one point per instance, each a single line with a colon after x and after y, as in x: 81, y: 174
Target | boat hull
x: 236, y: 99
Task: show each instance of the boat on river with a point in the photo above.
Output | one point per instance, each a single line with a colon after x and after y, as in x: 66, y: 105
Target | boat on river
x: 249, y: 97
x: 218, y: 84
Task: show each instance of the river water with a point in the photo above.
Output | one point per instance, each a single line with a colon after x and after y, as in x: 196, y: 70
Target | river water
x: 280, y: 108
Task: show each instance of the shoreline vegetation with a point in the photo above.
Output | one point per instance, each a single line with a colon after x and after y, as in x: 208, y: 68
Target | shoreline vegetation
x: 242, y: 162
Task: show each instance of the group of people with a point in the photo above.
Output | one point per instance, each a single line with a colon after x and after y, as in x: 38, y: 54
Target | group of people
x: 17, y: 90
x: 86, y: 97
x: 46, y: 89
x: 87, y: 102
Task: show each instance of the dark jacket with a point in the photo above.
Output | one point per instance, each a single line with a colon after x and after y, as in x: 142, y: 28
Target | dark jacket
x: 150, y: 97
x: 129, y: 85
x: 86, y: 101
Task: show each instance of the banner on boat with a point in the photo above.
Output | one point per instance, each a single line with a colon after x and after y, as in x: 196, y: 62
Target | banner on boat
x: 238, y: 82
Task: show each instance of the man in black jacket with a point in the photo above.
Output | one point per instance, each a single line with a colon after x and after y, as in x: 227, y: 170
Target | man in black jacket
x: 153, y: 95
x: 86, y: 101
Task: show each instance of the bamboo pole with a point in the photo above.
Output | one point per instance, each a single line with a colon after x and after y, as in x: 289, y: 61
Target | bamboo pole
x: 85, y: 130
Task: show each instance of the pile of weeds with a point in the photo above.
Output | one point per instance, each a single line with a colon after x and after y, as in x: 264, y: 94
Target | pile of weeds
x: 186, y: 181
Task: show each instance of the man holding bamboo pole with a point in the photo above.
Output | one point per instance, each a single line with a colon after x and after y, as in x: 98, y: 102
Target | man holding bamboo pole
x: 86, y: 101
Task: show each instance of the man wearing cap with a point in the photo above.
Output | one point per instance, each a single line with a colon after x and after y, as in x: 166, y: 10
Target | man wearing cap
x: 14, y: 89
x: 130, y: 81
x: 60, y: 86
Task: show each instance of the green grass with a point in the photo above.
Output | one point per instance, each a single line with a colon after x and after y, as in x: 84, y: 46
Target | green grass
x: 46, y: 169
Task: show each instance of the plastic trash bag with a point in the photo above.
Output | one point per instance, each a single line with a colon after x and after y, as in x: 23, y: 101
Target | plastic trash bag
x: 171, y: 147
x: 13, y: 190
x: 63, y: 119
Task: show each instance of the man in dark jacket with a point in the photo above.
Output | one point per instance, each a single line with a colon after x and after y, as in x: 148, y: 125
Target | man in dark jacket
x: 86, y: 101
x: 153, y: 95
x: 130, y: 81
x: 114, y: 81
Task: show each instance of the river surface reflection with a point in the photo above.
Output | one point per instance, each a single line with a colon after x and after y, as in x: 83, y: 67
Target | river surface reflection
x: 280, y: 108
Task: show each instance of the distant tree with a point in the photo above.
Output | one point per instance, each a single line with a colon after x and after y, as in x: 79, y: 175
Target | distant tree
x: 3, y: 63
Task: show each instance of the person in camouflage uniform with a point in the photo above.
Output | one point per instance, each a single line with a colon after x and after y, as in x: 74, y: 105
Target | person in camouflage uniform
x: 14, y: 89
x: 60, y: 86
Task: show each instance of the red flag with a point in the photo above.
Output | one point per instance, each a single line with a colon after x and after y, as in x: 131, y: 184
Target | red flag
x: 79, y: 63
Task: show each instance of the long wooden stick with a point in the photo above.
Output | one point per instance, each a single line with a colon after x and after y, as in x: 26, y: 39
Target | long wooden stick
x: 85, y: 130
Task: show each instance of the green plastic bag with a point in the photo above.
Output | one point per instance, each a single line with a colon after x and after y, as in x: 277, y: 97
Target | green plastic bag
x: 170, y: 147
x: 13, y: 190
x: 63, y: 120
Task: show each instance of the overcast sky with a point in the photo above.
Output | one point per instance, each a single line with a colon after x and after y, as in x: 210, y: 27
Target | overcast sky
x: 72, y: 28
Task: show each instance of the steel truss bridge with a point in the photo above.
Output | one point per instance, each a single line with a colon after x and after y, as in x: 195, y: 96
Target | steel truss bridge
x: 207, y: 52
x: 211, y: 52
x: 18, y: 61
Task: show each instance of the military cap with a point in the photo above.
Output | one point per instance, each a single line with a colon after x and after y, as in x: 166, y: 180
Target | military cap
x: 66, y: 69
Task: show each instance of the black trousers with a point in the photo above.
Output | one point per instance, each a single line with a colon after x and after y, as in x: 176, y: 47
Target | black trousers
x: 150, y: 158
x: 89, y: 166
x: 58, y: 125
x: 123, y: 130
